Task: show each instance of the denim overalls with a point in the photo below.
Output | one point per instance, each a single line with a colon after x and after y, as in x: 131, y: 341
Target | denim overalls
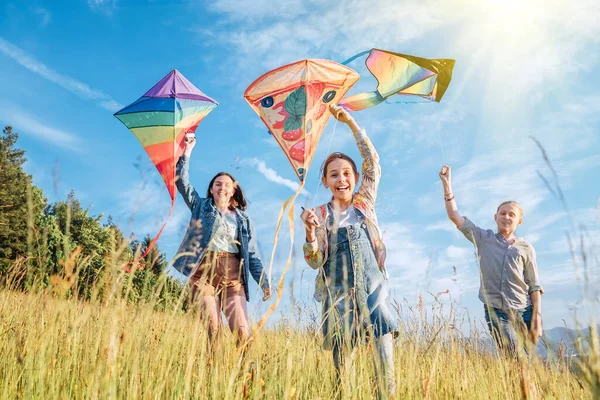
x: 356, y: 290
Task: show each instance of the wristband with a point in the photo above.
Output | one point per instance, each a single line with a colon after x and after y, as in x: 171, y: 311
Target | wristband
x: 449, y: 199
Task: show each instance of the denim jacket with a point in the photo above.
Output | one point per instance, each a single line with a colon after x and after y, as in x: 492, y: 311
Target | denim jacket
x: 202, y: 227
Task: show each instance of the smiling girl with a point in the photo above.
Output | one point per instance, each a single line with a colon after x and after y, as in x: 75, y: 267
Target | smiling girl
x: 344, y: 243
x: 218, y: 252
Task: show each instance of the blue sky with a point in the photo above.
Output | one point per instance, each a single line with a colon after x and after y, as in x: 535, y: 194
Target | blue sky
x: 522, y: 69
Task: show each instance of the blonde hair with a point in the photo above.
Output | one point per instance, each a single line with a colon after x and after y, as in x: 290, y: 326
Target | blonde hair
x: 512, y: 202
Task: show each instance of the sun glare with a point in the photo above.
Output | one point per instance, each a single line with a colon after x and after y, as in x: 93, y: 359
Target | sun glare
x: 511, y: 18
x: 510, y: 44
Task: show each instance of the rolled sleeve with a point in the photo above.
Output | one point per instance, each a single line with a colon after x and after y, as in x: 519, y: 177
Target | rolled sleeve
x: 312, y: 254
x: 312, y: 246
x: 532, y: 279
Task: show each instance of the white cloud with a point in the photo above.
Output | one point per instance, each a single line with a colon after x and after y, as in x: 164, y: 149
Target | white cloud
x: 44, y: 14
x: 111, y: 105
x: 260, y: 9
x: 343, y: 28
x: 455, y: 254
x: 445, y: 225
x: 409, y: 262
x: 24, y: 122
x: 273, y: 176
x: 74, y: 86
x: 103, y: 6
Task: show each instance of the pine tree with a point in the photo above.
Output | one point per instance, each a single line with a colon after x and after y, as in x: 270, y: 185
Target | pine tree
x: 20, y: 201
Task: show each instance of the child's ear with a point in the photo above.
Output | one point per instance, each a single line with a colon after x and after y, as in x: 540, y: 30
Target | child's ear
x: 324, y: 182
x: 357, y: 177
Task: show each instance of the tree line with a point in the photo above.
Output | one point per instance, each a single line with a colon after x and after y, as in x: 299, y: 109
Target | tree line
x: 64, y: 248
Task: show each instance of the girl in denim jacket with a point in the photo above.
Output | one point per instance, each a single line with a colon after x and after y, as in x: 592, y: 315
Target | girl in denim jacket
x: 218, y: 252
x: 344, y: 243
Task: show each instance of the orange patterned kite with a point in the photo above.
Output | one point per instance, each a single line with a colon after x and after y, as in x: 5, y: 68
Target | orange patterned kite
x: 293, y: 101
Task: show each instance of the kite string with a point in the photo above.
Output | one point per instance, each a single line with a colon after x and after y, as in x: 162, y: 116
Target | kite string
x: 439, y: 135
x: 289, y: 202
x: 328, y: 150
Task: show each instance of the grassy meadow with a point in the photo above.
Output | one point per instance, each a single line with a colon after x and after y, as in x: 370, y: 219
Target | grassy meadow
x: 52, y: 347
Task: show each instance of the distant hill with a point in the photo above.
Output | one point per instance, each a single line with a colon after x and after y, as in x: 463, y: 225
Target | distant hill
x: 555, y: 337
x: 551, y: 342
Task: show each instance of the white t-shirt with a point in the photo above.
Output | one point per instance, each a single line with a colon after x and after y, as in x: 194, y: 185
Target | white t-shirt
x: 226, y: 235
x: 347, y: 218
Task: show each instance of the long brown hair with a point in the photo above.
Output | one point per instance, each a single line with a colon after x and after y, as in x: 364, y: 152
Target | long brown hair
x: 237, y: 199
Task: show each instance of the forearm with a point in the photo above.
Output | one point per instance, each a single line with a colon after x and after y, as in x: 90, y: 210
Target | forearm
x: 451, y: 207
x: 311, y: 235
x: 353, y: 125
x: 183, y: 183
x: 536, y: 302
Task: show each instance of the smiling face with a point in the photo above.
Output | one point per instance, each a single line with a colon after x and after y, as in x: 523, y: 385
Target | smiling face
x: 508, y: 217
x: 339, y: 177
x: 222, y: 189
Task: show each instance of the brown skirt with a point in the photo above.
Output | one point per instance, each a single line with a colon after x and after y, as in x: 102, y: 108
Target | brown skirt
x: 219, y: 274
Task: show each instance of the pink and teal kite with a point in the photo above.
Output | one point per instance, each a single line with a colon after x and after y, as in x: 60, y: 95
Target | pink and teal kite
x: 401, y: 75
x: 161, y: 118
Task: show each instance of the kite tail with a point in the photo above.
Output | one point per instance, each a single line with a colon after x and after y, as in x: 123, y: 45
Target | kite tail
x: 354, y: 57
x: 289, y: 202
x: 361, y: 101
x: 135, y: 264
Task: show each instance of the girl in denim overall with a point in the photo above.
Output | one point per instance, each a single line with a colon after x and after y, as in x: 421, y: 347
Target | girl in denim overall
x: 218, y: 252
x: 344, y: 243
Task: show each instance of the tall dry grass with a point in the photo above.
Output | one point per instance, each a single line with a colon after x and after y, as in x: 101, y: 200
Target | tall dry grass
x: 60, y: 348
x: 53, y: 346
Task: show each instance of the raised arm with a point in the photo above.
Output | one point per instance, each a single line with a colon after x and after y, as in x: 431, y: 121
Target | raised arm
x: 371, y: 170
x: 182, y: 181
x: 451, y: 207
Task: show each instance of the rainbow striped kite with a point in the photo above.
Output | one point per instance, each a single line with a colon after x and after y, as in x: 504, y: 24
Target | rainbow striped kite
x: 161, y: 118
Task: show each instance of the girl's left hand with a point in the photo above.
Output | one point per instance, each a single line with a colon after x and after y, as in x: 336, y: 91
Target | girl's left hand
x: 267, y: 294
x: 340, y: 114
